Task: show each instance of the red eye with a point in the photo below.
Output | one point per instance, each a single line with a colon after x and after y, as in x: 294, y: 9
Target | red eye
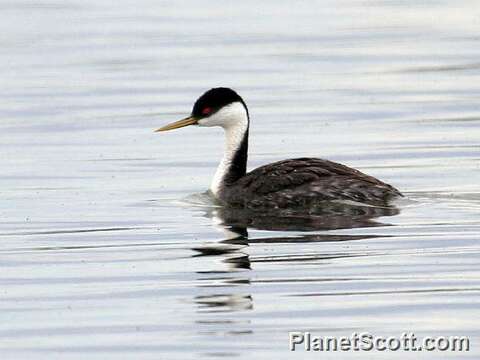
x: 206, y: 111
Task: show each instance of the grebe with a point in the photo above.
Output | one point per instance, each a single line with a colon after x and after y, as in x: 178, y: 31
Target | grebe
x: 301, y: 183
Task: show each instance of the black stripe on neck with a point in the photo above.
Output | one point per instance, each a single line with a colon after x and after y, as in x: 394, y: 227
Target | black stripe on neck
x: 238, y: 166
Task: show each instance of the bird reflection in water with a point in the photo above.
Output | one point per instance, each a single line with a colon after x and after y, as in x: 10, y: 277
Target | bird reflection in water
x: 237, y: 263
x: 330, y: 216
x: 234, y: 223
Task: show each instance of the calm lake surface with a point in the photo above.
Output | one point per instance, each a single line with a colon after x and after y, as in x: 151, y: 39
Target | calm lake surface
x: 108, y: 249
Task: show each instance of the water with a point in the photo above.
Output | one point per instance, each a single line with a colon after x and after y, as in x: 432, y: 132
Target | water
x: 106, y: 249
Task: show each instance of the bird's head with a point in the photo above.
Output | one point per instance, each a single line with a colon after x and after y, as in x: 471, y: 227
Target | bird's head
x: 217, y: 107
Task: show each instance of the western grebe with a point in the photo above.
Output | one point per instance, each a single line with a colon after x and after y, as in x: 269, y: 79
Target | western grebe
x: 301, y: 183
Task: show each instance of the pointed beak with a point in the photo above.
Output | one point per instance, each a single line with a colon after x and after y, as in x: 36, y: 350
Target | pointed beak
x: 178, y: 124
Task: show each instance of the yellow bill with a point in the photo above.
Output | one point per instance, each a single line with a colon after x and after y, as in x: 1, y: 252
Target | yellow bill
x: 178, y: 124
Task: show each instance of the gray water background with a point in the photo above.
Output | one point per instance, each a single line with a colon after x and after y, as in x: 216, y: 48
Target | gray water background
x: 103, y: 254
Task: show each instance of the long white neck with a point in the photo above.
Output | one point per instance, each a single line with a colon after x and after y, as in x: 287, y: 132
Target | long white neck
x: 234, y: 120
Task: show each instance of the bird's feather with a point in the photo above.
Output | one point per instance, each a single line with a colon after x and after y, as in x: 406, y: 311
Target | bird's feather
x: 305, y: 182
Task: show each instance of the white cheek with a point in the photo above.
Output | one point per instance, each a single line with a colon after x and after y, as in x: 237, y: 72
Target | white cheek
x: 228, y: 116
x: 212, y: 120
